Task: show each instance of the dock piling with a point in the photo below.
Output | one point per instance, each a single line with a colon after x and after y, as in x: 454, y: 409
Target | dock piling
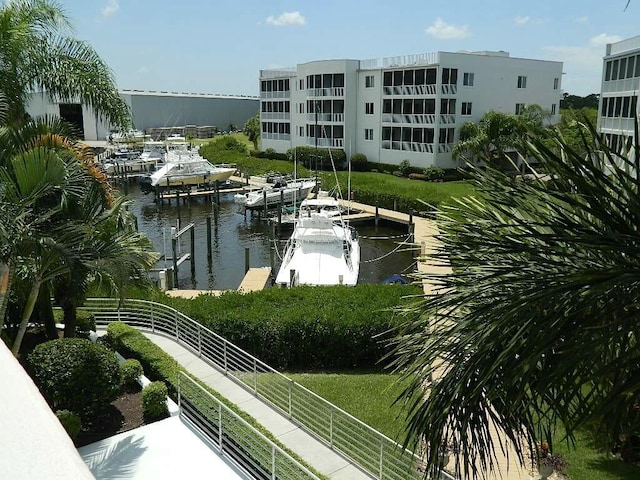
x: 246, y: 260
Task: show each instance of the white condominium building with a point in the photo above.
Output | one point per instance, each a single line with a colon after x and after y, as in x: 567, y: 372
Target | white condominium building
x: 619, y: 92
x: 399, y: 108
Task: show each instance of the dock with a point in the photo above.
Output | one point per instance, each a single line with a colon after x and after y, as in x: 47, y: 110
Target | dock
x: 254, y: 280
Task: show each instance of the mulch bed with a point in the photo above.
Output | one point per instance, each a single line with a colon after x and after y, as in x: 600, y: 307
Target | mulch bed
x: 125, y: 413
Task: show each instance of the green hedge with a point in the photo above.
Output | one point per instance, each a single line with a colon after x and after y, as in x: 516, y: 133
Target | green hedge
x: 311, y: 157
x: 306, y: 328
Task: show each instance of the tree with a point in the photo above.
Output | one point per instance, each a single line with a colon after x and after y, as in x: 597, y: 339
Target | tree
x: 536, y: 328
x: 489, y: 139
x: 37, y: 54
x: 252, y: 130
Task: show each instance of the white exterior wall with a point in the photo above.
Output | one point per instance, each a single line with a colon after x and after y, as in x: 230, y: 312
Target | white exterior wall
x: 495, y: 88
x: 619, y: 124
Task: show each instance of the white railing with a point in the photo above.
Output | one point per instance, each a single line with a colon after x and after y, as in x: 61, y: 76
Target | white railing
x: 366, y: 447
x: 233, y: 437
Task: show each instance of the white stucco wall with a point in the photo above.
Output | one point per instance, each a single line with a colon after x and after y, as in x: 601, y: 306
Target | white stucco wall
x: 34, y: 443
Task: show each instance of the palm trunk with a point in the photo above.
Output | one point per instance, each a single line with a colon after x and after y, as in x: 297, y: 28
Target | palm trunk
x: 5, y: 285
x: 26, y: 315
x: 70, y: 312
x: 45, y: 312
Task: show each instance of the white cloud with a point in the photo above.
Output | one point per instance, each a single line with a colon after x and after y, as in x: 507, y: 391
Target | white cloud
x: 444, y: 31
x: 521, y: 20
x: 583, y: 19
x: 582, y: 63
x: 112, y: 7
x: 143, y: 69
x: 287, y: 18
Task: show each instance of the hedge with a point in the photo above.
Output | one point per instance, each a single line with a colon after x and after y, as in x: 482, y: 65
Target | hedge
x: 308, y: 328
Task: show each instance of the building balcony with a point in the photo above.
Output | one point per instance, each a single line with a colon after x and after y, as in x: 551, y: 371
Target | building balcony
x: 447, y: 118
x: 617, y: 125
x: 326, y: 142
x: 415, y: 90
x: 625, y: 85
x: 408, y: 146
x: 418, y: 119
x: 326, y: 117
x: 326, y: 92
x: 445, y: 147
x: 276, y: 136
x: 449, y: 89
x: 267, y: 95
x: 275, y: 115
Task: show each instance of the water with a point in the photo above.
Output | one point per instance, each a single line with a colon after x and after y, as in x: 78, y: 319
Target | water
x: 381, y: 256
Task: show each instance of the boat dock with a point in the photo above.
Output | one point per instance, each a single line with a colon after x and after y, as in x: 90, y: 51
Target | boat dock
x: 254, y: 280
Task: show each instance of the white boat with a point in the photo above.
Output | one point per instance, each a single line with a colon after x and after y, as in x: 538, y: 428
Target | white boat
x: 288, y: 193
x: 323, y: 249
x: 189, y: 169
x: 128, y: 162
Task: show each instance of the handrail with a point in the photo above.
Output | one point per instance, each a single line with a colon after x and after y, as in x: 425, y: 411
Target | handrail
x: 235, y: 438
x: 371, y: 450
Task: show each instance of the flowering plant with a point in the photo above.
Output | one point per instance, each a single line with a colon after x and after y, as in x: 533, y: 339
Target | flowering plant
x: 555, y: 461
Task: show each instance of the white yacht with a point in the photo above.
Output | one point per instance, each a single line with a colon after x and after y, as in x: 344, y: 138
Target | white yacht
x: 192, y: 169
x: 322, y: 250
x: 287, y: 192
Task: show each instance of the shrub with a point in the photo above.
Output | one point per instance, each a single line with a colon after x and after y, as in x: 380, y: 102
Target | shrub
x: 359, y: 162
x: 130, y: 370
x: 154, y: 400
x: 75, y: 374
x: 433, y: 173
x: 71, y: 422
x: 311, y: 157
x: 404, y: 168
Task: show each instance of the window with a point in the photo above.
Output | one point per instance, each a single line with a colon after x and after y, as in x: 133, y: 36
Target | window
x: 466, y: 108
x: 467, y: 79
x: 369, y: 108
x: 607, y: 75
x: 448, y: 105
x: 445, y: 135
x: 556, y: 82
x: 301, y: 84
x: 368, y: 133
x: 301, y: 131
x: 369, y: 81
x: 522, y: 81
x: 449, y: 76
x: 519, y: 108
x: 553, y: 109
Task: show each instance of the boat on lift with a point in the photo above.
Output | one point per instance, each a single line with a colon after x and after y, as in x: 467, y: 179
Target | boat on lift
x: 283, y: 192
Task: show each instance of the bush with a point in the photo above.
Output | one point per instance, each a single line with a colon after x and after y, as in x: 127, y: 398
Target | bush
x: 75, y: 374
x: 433, y: 173
x: 270, y: 154
x: 130, y: 370
x: 359, y: 162
x: 154, y: 400
x: 404, y: 168
x: 311, y: 157
x: 71, y: 422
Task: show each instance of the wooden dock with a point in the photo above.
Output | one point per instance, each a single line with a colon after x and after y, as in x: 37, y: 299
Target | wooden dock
x: 254, y: 280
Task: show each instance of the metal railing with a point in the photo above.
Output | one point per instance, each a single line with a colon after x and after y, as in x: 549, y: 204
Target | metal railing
x: 233, y: 437
x: 366, y: 447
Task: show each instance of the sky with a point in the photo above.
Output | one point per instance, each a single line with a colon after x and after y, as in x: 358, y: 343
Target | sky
x: 220, y: 46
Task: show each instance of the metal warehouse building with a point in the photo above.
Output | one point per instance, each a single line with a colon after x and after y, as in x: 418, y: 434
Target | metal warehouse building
x: 153, y: 110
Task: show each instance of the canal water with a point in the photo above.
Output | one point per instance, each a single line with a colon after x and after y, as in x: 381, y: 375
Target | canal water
x: 381, y: 252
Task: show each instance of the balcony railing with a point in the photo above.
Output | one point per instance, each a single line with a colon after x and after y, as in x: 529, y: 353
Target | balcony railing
x: 326, y: 92
x: 276, y: 136
x: 326, y: 117
x: 420, y: 119
x: 366, y: 447
x: 408, y: 146
x: 417, y: 90
x: 283, y: 94
x: 275, y: 115
x: 449, y: 89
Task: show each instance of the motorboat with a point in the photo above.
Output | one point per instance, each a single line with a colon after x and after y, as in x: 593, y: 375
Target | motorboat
x: 322, y: 250
x: 184, y: 167
x: 125, y: 161
x: 283, y: 192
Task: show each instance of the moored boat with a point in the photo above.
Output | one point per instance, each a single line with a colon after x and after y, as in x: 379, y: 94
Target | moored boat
x: 282, y: 192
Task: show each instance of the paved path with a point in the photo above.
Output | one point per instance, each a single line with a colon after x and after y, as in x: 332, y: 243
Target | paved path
x: 312, y: 450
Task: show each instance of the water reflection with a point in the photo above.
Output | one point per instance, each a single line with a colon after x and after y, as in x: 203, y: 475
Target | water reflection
x: 234, y: 232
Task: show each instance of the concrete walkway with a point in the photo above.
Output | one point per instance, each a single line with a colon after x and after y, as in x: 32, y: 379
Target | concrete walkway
x: 312, y: 450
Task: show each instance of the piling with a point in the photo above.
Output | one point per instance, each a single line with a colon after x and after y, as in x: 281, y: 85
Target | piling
x: 174, y: 248
x: 209, y: 238
x: 246, y: 260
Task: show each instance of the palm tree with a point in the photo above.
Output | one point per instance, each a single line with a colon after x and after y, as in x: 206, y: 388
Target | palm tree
x: 252, y: 130
x: 37, y: 54
x: 536, y: 330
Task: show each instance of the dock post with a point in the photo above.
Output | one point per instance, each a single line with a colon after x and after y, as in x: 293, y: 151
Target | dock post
x: 217, y: 188
x: 411, y: 227
x: 377, y: 216
x: 208, y: 238
x: 189, y: 196
x: 178, y: 202
x: 216, y: 212
x: 174, y: 247
x: 193, y: 249
x: 395, y: 204
x: 264, y: 198
x: 246, y: 260
x: 272, y: 259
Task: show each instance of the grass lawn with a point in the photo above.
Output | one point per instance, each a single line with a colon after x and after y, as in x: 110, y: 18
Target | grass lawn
x: 370, y: 398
